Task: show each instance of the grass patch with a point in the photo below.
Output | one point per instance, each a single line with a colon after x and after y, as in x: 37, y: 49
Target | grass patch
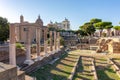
x: 105, y: 71
x: 60, y: 70
x: 83, y: 71
x: 107, y: 74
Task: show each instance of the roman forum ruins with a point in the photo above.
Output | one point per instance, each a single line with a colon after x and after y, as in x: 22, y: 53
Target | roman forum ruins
x: 28, y: 33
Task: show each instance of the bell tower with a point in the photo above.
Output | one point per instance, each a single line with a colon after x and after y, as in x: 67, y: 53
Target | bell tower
x: 21, y: 19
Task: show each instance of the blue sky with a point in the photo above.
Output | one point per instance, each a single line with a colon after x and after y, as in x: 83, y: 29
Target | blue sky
x: 77, y: 11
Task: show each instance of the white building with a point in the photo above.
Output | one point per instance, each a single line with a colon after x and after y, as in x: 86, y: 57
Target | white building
x: 64, y: 25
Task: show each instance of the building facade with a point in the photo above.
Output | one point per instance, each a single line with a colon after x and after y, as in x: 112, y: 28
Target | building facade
x: 22, y: 28
x: 64, y: 25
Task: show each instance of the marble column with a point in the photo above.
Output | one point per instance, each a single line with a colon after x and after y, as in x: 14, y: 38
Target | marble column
x: 38, y: 30
x: 51, y: 41
x: 58, y: 40
x: 12, y: 47
x: 28, y: 46
x: 55, y: 45
x: 45, y: 42
x: 114, y: 32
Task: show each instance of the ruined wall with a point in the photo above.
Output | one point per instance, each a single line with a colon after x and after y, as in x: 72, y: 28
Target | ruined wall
x: 4, y: 53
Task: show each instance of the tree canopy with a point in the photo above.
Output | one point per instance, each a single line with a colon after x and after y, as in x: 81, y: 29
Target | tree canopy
x: 95, y: 20
x: 116, y: 27
x: 88, y: 28
x: 103, y: 25
x: 99, y: 25
x: 4, y: 29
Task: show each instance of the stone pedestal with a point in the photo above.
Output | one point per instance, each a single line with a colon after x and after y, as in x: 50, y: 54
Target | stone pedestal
x: 8, y: 72
x: 38, y: 58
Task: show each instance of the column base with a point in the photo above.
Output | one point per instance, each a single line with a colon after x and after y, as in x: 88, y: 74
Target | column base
x: 56, y: 51
x: 53, y: 52
x: 47, y: 54
x: 59, y: 49
x: 18, y: 68
x: 29, y: 62
x: 38, y: 58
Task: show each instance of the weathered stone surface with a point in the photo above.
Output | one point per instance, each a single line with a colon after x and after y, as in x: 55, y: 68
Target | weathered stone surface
x: 8, y: 72
x: 42, y: 62
x: 4, y: 54
x: 20, y: 75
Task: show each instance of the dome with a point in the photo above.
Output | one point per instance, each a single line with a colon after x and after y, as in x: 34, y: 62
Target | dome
x: 39, y: 21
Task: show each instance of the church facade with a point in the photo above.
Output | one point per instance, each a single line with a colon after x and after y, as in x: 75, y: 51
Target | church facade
x: 22, y: 28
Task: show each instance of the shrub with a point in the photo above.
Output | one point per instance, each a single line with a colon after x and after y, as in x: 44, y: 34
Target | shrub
x: 62, y: 42
x: 19, y: 45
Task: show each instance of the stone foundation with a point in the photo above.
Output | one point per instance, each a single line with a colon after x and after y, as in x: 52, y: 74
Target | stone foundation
x: 4, y: 53
x: 44, y: 61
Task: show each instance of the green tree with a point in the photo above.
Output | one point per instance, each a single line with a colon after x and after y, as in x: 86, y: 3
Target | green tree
x: 108, y: 27
x: 95, y: 20
x: 62, y: 42
x: 88, y: 28
x: 117, y: 29
x: 4, y: 29
x: 103, y: 25
x: 99, y: 26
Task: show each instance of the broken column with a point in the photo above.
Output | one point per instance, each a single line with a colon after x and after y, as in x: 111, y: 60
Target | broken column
x: 12, y: 47
x: 28, y: 46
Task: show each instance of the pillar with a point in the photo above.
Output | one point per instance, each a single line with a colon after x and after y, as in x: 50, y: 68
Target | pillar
x: 38, y: 30
x: 58, y: 40
x: 55, y: 45
x: 51, y: 41
x: 12, y: 47
x: 45, y: 42
x: 28, y: 47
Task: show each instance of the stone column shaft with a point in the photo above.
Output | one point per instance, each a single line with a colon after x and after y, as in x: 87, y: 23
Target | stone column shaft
x: 45, y: 41
x: 55, y: 45
x: 28, y: 47
x: 12, y: 47
x: 38, y: 41
x: 28, y: 43
x: 51, y: 40
x: 58, y: 36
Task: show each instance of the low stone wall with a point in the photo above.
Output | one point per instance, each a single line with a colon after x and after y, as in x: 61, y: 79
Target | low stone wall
x: 46, y: 60
x: 4, y: 53
x: 94, y: 70
x: 33, y: 49
x: 83, y: 46
x: 115, y: 67
x: 4, y: 48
